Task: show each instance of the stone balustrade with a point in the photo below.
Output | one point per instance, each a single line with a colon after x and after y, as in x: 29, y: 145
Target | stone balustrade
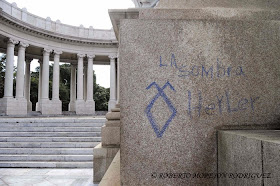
x: 55, y: 26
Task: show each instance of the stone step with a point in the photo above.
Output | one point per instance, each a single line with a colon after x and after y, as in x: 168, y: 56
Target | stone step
x: 36, y: 164
x: 48, y: 144
x: 53, y: 120
x: 50, y: 134
x: 24, y: 124
x: 50, y: 129
x: 62, y: 158
x: 47, y: 151
x: 50, y: 139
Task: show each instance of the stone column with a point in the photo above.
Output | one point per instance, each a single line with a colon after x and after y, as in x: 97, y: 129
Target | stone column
x: 118, y: 80
x: 90, y: 104
x: 8, y: 89
x: 85, y: 82
x: 20, y: 70
x: 72, y: 88
x: 112, y: 101
x: 40, y: 80
x: 38, y: 104
x: 45, y: 74
x: 80, y: 77
x: 55, y: 106
x: 90, y: 78
x: 45, y: 104
x: 9, y: 105
x: 55, y: 89
x: 27, y: 83
x: 80, y: 102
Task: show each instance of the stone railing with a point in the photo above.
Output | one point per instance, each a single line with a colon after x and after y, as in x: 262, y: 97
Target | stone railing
x: 55, y: 26
x: 145, y: 3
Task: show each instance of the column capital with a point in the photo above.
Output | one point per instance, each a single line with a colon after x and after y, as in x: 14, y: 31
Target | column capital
x: 112, y: 56
x: 12, y: 41
x: 29, y: 59
x: 90, y: 56
x: 81, y: 55
x: 47, y: 51
x: 57, y: 52
x: 74, y: 64
x: 23, y: 44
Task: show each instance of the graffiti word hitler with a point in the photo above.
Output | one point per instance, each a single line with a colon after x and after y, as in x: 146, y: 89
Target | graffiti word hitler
x: 212, y: 71
x: 222, y: 104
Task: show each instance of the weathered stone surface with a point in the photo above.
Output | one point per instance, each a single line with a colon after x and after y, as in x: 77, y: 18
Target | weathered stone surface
x: 224, y: 74
x: 248, y: 4
x: 85, y: 107
x: 13, y: 106
x: 238, y: 154
x: 102, y: 158
x: 113, y: 116
x: 110, y: 136
x: 210, y: 14
x: 112, y: 175
x: 113, y: 123
x: 271, y: 160
x: 115, y: 109
x: 105, y: 152
x: 51, y: 107
x: 249, y: 157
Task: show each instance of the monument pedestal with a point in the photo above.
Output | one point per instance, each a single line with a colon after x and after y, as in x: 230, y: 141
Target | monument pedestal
x: 51, y: 107
x: 13, y: 106
x: 90, y: 107
x: 185, y: 74
x: 85, y: 107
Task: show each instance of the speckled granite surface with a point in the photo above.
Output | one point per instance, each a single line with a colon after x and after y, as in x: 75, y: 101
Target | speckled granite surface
x: 183, y: 79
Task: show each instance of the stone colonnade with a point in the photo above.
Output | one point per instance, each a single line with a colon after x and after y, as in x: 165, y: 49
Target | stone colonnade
x: 81, y: 87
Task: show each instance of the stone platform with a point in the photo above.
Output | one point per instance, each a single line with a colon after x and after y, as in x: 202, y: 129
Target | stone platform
x: 185, y: 73
x: 249, y: 157
x: 46, y: 177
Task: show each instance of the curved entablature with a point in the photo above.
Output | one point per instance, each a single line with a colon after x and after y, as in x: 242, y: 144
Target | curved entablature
x: 54, y: 28
x: 20, y: 25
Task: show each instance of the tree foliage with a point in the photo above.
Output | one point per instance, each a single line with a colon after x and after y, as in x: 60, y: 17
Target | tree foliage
x: 2, y: 74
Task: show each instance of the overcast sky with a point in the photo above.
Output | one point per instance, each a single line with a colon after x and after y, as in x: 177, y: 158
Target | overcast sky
x: 76, y: 12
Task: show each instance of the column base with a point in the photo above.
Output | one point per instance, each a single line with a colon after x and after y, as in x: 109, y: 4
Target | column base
x: 111, y: 104
x: 13, y: 106
x: 38, y: 106
x: 51, y: 107
x: 29, y: 106
x: 72, y: 106
x: 85, y: 107
x: 90, y: 107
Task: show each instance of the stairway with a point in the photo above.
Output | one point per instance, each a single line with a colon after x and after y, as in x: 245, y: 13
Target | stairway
x: 49, y: 142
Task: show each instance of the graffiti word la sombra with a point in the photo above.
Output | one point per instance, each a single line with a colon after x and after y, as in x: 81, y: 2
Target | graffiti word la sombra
x: 222, y: 104
x: 212, y: 71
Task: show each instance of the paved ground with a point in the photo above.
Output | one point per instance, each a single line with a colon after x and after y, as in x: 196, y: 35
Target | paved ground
x: 46, y: 177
